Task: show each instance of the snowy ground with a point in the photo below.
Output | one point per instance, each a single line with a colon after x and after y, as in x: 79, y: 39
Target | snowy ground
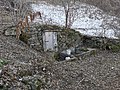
x: 92, y: 24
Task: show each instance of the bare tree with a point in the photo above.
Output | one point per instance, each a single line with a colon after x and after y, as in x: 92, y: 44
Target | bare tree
x: 21, y: 9
x: 15, y: 9
x: 71, y: 12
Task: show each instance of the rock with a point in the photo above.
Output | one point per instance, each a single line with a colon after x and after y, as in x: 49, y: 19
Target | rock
x: 67, y: 58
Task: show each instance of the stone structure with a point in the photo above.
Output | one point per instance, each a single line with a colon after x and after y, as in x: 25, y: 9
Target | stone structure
x: 65, y: 38
x: 36, y: 40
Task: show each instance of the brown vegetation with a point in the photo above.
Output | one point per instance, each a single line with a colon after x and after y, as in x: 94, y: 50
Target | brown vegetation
x: 20, y: 27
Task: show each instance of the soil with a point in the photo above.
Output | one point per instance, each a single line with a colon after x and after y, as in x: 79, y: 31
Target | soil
x: 99, y: 72
x: 32, y: 70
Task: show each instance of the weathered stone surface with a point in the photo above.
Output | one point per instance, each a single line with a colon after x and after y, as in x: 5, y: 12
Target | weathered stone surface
x: 68, y: 38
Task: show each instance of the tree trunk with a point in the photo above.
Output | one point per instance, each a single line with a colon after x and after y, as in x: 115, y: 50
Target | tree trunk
x: 66, y: 21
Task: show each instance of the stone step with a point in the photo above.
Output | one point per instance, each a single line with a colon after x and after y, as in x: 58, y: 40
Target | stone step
x: 91, y: 51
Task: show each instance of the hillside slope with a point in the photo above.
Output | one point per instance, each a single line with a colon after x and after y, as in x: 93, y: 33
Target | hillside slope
x: 11, y: 48
x: 31, y: 70
x: 24, y: 64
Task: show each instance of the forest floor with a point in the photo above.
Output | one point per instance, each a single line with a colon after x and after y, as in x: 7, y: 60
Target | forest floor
x: 28, y: 69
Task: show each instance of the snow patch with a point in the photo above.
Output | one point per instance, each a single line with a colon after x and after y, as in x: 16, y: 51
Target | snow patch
x: 55, y: 15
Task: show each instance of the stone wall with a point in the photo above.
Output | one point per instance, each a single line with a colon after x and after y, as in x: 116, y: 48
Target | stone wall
x: 32, y: 38
x: 66, y: 38
x: 100, y: 42
x: 36, y: 40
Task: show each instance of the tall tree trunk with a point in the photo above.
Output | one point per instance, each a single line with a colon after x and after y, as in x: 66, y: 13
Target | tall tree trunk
x: 66, y: 20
